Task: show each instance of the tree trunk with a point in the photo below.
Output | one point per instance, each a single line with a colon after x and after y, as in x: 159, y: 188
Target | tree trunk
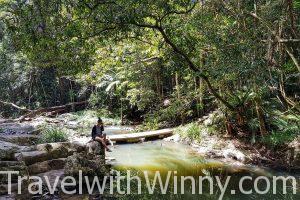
x: 177, y: 85
x: 194, y: 68
x: 60, y: 109
x: 261, y: 118
x: 122, y: 120
x: 178, y: 94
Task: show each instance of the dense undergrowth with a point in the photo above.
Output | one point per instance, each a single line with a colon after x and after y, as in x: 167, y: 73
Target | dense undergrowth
x: 164, y: 63
x: 285, y: 129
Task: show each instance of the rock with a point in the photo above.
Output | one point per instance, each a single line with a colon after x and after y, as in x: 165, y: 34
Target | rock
x: 32, y: 157
x: 12, y: 166
x: 52, y: 177
x: 215, y: 117
x: 234, y: 154
x: 46, y: 166
x: 204, y: 132
x: 89, y: 164
x: 95, y: 148
x: 8, y: 150
x: 70, y: 146
x: 208, y: 122
x: 15, y: 128
x: 49, y: 151
x: 4, y: 189
x: 72, y: 125
x: 173, y: 138
x: 35, y: 131
x: 20, y: 139
x: 9, y: 163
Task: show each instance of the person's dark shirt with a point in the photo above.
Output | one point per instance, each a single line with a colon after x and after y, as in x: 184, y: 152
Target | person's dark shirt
x: 96, y: 133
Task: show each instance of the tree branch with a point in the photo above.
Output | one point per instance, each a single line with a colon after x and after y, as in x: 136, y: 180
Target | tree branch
x: 191, y: 65
x: 293, y: 57
x: 178, y: 12
x: 15, y: 106
x: 98, y: 3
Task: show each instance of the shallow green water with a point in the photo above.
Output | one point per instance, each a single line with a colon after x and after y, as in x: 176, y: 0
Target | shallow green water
x: 164, y: 157
x: 167, y: 157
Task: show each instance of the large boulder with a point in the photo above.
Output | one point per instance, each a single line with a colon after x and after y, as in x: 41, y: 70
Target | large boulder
x: 20, y: 139
x: 46, y: 166
x: 4, y: 189
x: 15, y: 128
x: 52, y: 177
x: 11, y: 166
x: 215, y: 117
x: 8, y: 150
x: 70, y: 146
x: 89, y: 164
x: 49, y: 151
x: 235, y: 155
x: 95, y: 148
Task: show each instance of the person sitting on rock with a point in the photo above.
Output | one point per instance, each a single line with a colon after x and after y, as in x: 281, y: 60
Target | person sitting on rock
x: 98, y: 135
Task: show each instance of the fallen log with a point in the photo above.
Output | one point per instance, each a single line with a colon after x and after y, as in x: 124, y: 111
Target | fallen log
x: 133, y: 137
x: 15, y: 106
x: 52, y: 110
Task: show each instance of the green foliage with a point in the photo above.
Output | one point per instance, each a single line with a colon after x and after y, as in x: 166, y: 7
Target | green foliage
x: 277, y: 139
x: 286, y: 127
x: 142, y: 98
x: 132, y: 56
x: 191, y: 131
x: 150, y: 124
x: 104, y: 113
x: 53, y: 134
x: 297, y: 4
x: 253, y: 125
x: 215, y: 129
x: 241, y: 98
x: 88, y: 118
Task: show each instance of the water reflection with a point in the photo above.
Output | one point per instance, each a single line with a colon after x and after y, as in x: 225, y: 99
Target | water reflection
x: 164, y: 156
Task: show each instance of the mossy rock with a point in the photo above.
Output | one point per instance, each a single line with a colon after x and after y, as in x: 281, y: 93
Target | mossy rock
x: 12, y: 166
x: 89, y: 164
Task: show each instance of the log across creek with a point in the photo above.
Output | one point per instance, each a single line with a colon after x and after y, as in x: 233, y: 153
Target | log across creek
x: 141, y: 136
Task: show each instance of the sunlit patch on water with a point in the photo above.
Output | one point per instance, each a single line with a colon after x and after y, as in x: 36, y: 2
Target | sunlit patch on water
x: 167, y: 156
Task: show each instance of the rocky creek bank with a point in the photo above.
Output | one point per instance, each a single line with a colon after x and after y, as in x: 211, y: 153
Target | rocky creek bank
x: 19, y: 152
x: 232, y: 150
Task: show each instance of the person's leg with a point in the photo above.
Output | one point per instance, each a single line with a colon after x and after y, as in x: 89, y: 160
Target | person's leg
x: 105, y: 138
x: 103, y: 142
